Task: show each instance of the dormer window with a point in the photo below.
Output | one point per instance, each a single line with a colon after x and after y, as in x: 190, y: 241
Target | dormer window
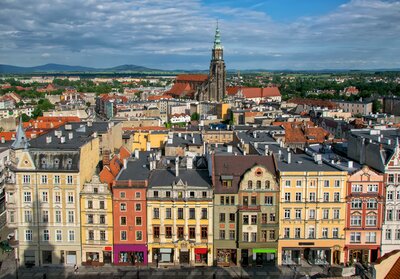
x: 56, y: 162
x: 43, y: 162
x: 191, y: 194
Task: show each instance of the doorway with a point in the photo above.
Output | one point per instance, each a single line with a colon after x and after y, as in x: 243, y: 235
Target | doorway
x: 106, y: 257
x: 336, y: 257
x: 184, y: 257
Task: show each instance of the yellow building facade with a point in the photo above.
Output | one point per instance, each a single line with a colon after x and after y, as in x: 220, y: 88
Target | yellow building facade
x: 97, y: 223
x: 146, y: 140
x: 311, y: 211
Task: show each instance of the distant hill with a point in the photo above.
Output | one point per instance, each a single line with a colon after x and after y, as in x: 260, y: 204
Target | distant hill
x: 58, y: 68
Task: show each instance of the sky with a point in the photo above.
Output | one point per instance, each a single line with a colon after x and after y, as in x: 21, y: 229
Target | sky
x: 179, y: 34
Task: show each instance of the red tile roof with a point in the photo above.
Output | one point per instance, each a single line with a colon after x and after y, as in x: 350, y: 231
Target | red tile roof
x: 106, y: 176
x: 124, y: 153
x: 255, y: 92
x: 7, y: 135
x: 312, y: 102
x: 159, y: 97
x: 180, y: 89
x: 394, y: 272
x: 197, y: 77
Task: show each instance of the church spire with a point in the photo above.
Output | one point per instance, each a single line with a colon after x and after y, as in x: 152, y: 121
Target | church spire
x: 217, y: 39
x: 21, y: 142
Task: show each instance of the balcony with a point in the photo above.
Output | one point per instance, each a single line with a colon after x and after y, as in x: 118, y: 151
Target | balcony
x: 249, y: 208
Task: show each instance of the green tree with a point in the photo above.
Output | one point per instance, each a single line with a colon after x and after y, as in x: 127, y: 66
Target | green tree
x: 25, y: 117
x: 376, y: 106
x: 195, y: 116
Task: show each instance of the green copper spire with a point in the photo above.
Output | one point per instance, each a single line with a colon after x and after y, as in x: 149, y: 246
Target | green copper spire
x: 217, y: 39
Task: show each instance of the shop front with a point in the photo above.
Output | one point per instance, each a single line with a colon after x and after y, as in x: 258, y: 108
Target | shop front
x: 317, y: 256
x: 362, y: 254
x: 264, y: 256
x: 226, y: 257
x: 166, y: 255
x: 201, y: 256
x: 96, y: 256
x: 125, y: 254
x: 291, y: 256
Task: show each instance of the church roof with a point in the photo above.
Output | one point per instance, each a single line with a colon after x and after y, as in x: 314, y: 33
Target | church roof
x: 21, y: 141
x: 254, y: 92
x: 198, y: 77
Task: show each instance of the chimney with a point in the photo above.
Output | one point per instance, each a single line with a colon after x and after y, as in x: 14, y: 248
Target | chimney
x: 70, y: 135
x: 189, y: 163
x: 125, y: 163
x: 137, y: 153
x: 48, y: 139
x: 62, y: 139
x: 289, y: 157
x: 229, y: 148
x: 177, y: 166
x: 266, y: 150
x: 350, y: 164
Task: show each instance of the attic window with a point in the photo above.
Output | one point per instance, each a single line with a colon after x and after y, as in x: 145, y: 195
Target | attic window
x: 43, y: 161
x: 69, y: 161
x: 56, y: 161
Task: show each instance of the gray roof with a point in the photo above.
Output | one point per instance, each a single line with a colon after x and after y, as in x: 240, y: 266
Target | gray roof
x: 255, y: 136
x: 190, y: 177
x: 137, y: 168
x: 21, y: 141
x: 185, y: 139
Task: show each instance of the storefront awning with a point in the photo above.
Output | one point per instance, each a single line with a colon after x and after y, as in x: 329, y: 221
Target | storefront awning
x: 200, y: 250
x: 264, y: 250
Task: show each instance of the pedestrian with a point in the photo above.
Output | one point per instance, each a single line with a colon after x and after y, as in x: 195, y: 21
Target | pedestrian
x: 75, y: 268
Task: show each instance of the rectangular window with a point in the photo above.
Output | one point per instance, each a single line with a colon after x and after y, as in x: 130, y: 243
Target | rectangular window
x: 286, y: 233
x: 192, y: 213
x: 253, y: 200
x: 326, y: 197
x: 204, y: 232
x: 258, y: 184
x: 336, y: 197
x: 168, y: 232
x: 311, y: 232
x: 156, y: 232
x: 355, y: 237
x: 222, y: 217
x: 311, y: 214
x: 263, y: 235
x: 298, y: 183
x: 264, y: 218
x: 139, y: 235
x: 389, y: 195
x: 398, y: 214
x: 192, y: 232
x: 272, y: 235
x: 245, y: 237
x: 232, y: 217
x: 371, y: 220
x: 122, y: 195
x: 56, y: 179
x: 372, y: 188
x: 287, y: 213
x: 297, y: 232
x: 122, y: 206
x: 180, y: 213
x: 388, y: 234
x: 137, y: 195
x: 326, y: 183
x: 372, y: 204
x: 253, y: 237
x: 91, y: 235
x: 168, y: 213
x: 138, y: 221
x: 356, y: 188
x: 336, y: 214
x: 138, y: 207
x: 45, y: 216
x: 231, y: 234
x: 11, y: 216
x: 312, y: 197
x: 356, y: 204
x: 70, y: 197
x: 272, y: 217
x: 28, y: 216
x: 26, y: 179
x: 57, y: 197
x: 69, y: 179
x: 222, y: 200
x: 389, y: 215
x: 71, y: 217
x: 45, y: 197
x: 245, y: 219
x: 58, y: 216
x: 102, y: 204
x: 325, y: 214
x: 27, y: 197
x: 90, y: 204
x: 156, y: 213
x: 298, y: 214
x: 335, y: 233
x: 337, y: 183
x: 287, y: 183
x: 269, y: 200
x: 28, y: 235
x: 287, y: 197
x: 168, y: 194
x: 371, y: 237
x: 324, y: 232
x: 71, y: 235
x: 204, y: 213
x: 355, y: 220
x: 90, y: 218
x: 58, y: 235
x: 222, y: 234
x: 298, y: 197
x: 397, y: 234
x: 44, y: 179
x: 123, y: 235
x: 204, y: 194
x: 122, y: 221
x: 254, y: 219
x: 227, y: 183
x: 180, y: 232
x: 102, y: 235
x: 102, y: 219
x: 391, y: 178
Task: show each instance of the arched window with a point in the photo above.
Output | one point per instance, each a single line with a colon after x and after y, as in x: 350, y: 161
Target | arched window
x: 267, y: 184
x: 250, y: 184
x: 258, y: 184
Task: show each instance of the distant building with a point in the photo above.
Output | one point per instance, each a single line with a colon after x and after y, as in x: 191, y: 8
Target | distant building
x: 357, y: 107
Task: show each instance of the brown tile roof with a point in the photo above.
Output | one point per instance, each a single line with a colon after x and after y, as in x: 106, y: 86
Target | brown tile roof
x: 180, y: 89
x: 254, y: 92
x: 236, y: 166
x: 313, y: 102
x: 159, y: 97
x: 124, y: 153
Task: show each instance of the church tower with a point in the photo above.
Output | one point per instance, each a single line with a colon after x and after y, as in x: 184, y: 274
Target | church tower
x: 217, y: 75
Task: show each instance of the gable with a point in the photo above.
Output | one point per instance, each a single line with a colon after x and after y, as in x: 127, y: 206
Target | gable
x: 25, y: 161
